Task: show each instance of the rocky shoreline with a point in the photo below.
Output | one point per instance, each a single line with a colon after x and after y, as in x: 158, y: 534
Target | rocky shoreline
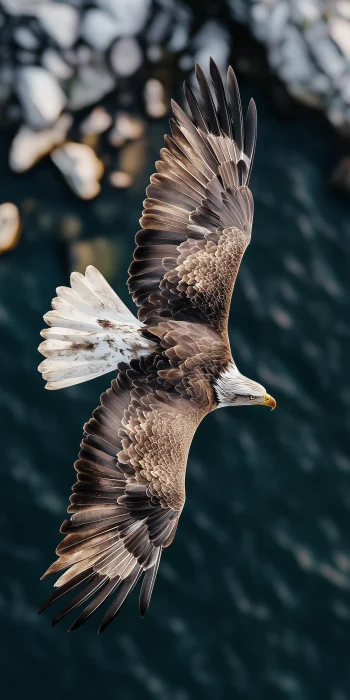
x: 58, y: 60
x: 308, y: 48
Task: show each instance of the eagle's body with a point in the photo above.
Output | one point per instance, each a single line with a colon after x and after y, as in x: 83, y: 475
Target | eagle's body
x: 174, y: 363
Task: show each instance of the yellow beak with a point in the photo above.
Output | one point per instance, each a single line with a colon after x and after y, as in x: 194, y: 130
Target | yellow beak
x: 268, y: 401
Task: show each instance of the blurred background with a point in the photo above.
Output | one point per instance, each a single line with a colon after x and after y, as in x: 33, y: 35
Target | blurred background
x: 252, y: 599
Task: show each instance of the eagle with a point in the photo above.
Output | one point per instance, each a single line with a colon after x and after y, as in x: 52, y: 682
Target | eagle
x: 173, y: 362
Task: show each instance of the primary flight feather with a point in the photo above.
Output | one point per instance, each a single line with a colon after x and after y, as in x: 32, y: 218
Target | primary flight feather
x: 173, y: 363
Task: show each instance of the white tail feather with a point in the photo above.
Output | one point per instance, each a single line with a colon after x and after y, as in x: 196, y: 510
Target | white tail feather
x: 90, y: 332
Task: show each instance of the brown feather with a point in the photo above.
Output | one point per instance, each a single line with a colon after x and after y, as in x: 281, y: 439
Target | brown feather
x: 199, y: 191
x: 130, y: 488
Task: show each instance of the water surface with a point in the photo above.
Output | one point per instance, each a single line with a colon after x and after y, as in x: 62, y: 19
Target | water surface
x: 252, y: 598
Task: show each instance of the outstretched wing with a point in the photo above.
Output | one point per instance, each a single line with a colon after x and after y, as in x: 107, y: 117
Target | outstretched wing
x: 198, y: 212
x: 129, y: 494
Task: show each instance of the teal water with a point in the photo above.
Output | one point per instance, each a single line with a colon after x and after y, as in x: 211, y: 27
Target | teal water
x: 252, y: 599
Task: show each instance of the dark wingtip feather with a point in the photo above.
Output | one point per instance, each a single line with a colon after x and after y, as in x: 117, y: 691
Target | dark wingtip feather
x: 96, y: 603
x: 236, y: 107
x: 223, y: 112
x: 66, y: 588
x: 53, y: 569
x: 125, y: 589
x: 242, y: 172
x: 251, y: 122
x: 208, y: 108
x: 95, y: 584
x: 45, y: 575
x: 194, y: 107
x: 148, y: 585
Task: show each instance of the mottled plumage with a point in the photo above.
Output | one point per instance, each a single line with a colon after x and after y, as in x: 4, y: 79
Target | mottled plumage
x: 173, y: 363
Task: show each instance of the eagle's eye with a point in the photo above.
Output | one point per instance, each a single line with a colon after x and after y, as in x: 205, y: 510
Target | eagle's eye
x: 251, y: 398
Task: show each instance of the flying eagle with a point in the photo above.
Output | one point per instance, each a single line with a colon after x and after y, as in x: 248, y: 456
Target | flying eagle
x: 173, y: 363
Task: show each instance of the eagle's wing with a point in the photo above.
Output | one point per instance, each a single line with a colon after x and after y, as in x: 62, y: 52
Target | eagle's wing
x: 198, y: 212
x: 130, y: 490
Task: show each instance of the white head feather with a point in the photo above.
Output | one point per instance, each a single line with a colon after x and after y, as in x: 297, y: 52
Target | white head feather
x: 233, y: 389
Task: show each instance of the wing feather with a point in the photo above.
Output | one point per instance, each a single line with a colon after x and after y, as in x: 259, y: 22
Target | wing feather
x: 130, y: 487
x: 147, y: 586
x: 200, y: 189
x: 130, y: 492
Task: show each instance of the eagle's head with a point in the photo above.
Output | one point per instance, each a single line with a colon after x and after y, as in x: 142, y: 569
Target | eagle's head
x: 233, y: 389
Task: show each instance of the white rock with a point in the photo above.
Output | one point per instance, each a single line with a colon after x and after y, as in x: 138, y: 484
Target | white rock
x: 318, y: 31
x: 340, y: 32
x: 25, y: 38
x: 343, y: 7
x: 171, y: 21
x: 158, y: 28
x: 212, y: 40
x: 21, y: 7
x: 97, y: 122
x: 321, y: 83
x: 120, y: 180
x: 10, y: 226
x: 99, y: 29
x: 40, y: 95
x: 29, y: 146
x: 154, y: 99
x: 54, y: 63
x: 126, y: 57
x: 260, y: 22
x: 60, y: 21
x: 278, y: 19
x: 180, y: 35
x: 296, y: 66
x: 306, y: 10
x: 131, y: 14
x: 125, y: 127
x: 329, y: 59
x: 240, y: 10
x: 90, y: 84
x: 80, y: 167
x: 324, y: 51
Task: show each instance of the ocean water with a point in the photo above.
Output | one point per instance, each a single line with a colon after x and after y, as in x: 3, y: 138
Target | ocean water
x: 252, y: 599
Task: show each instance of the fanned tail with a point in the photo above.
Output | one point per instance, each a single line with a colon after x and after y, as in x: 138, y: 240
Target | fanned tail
x: 90, y: 332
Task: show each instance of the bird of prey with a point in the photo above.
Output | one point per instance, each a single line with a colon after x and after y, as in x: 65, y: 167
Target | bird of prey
x: 173, y: 362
